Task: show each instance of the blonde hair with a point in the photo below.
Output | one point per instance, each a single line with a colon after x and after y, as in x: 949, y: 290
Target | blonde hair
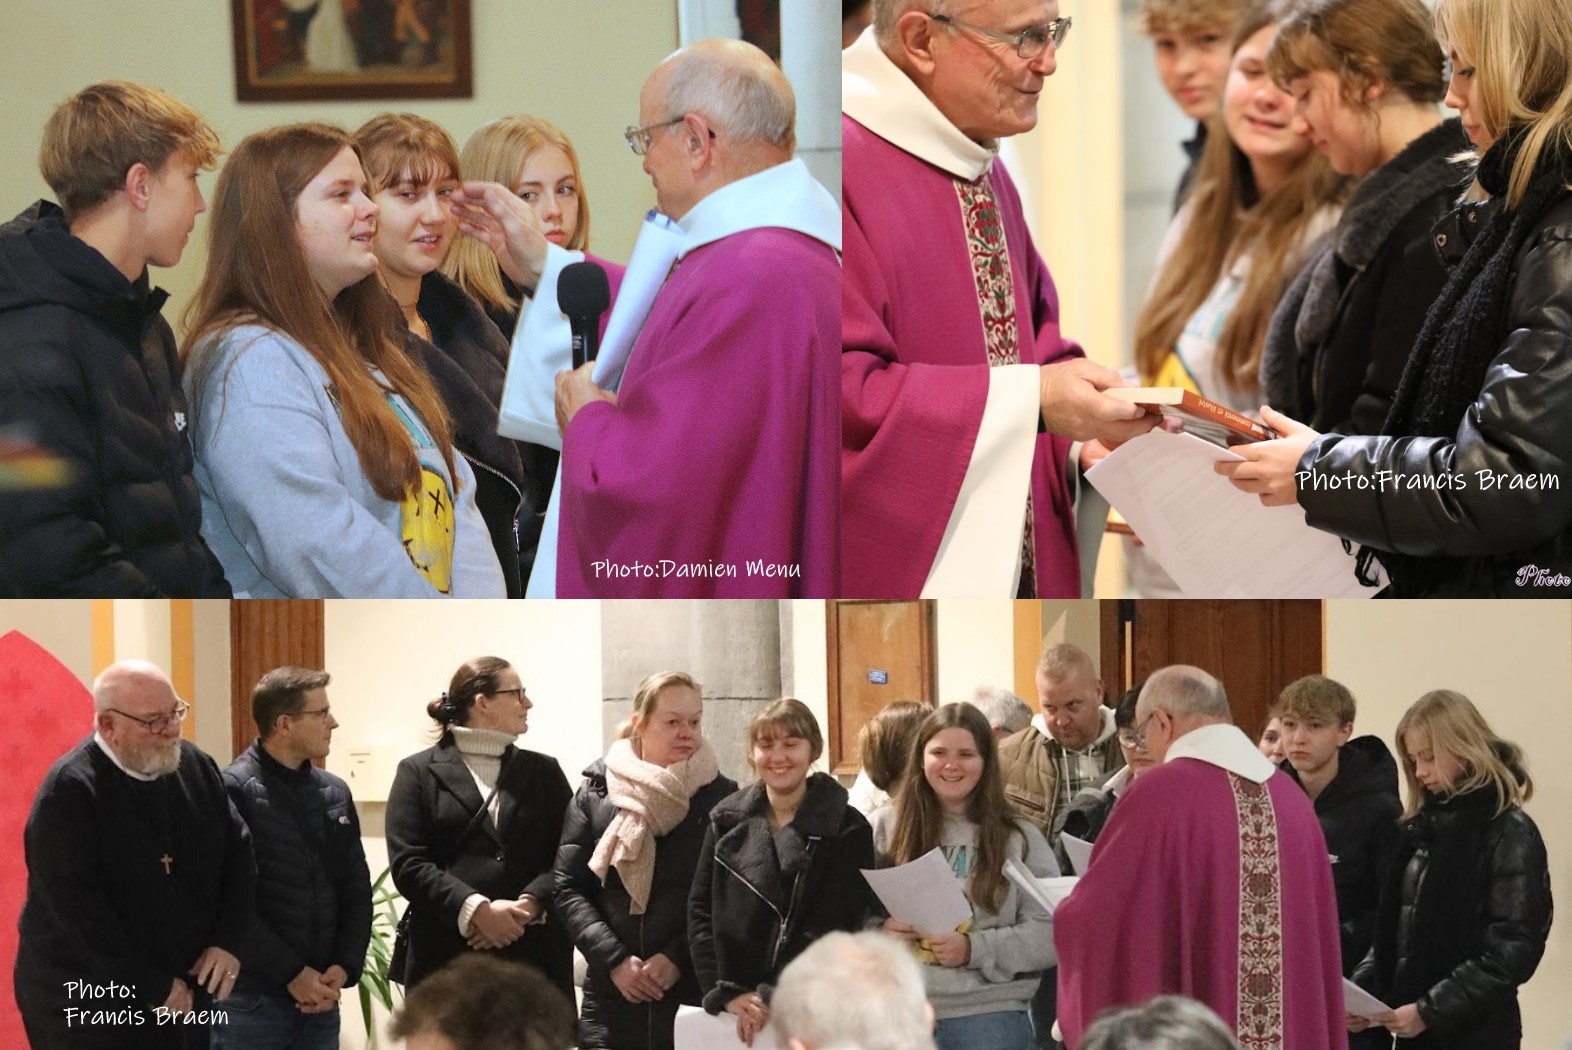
x: 390, y: 144
x: 1221, y: 231
x: 647, y: 697
x: 496, y: 152
x: 1521, y: 51
x: 98, y: 134
x: 1450, y: 723
x: 1060, y: 660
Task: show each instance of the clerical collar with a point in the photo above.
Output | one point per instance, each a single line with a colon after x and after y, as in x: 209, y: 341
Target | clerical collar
x: 1226, y: 747
x: 784, y: 196
x: 103, y: 746
x: 879, y: 96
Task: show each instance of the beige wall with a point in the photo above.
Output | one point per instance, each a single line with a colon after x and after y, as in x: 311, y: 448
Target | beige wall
x: 1514, y: 660
x: 553, y: 58
x: 65, y: 628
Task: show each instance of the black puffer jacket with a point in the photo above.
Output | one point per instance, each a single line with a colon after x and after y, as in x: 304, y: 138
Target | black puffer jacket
x: 1427, y: 496
x: 88, y: 370
x: 761, y: 896
x: 1463, y: 922
x: 602, y: 926
x: 313, y: 886
x: 1358, y: 812
x: 467, y: 359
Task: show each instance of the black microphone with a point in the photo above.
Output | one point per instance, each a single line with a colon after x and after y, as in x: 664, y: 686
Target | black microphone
x: 583, y: 293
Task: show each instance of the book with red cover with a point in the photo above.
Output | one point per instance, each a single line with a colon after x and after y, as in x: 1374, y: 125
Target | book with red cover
x: 1200, y: 416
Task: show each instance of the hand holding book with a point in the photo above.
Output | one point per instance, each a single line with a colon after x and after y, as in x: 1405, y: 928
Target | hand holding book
x: 1268, y: 467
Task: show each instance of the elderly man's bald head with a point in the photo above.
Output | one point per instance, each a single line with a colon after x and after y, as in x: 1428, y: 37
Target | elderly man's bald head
x: 1184, y: 691
x: 127, y: 696
x: 735, y: 86
x: 132, y: 684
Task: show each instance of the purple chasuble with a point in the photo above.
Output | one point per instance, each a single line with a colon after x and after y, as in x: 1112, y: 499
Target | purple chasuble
x: 1209, y: 885
x: 715, y: 475
x: 918, y: 340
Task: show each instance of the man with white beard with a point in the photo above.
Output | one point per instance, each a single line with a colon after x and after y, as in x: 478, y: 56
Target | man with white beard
x: 140, y: 880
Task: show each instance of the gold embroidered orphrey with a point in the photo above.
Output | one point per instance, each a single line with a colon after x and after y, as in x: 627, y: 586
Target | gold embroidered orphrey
x: 1260, y: 1021
x: 990, y: 258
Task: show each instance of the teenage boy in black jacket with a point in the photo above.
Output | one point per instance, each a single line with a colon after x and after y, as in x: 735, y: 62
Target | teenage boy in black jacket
x: 1353, y: 785
x: 313, y: 916
x: 88, y: 369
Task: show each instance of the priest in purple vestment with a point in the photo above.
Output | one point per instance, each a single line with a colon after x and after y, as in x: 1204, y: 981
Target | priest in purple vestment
x: 1211, y: 880
x: 960, y: 396
x: 713, y: 470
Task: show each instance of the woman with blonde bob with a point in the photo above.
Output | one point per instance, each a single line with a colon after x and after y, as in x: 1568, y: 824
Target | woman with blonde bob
x: 1477, y: 430
x: 781, y: 867
x: 980, y: 978
x: 535, y: 160
x: 324, y: 454
x: 413, y: 169
x: 1366, y: 76
x: 629, y: 852
x: 1466, y: 910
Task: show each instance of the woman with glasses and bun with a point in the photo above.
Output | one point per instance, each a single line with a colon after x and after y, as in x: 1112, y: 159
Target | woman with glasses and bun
x: 1466, y: 910
x: 473, y: 824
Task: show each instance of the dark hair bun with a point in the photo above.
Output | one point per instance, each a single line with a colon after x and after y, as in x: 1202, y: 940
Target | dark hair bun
x: 440, y: 710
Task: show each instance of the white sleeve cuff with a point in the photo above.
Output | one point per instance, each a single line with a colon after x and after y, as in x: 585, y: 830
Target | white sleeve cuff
x: 980, y: 553
x: 542, y: 347
x: 467, y: 912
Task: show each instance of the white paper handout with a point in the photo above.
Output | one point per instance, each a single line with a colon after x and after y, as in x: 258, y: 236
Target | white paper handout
x: 1079, y: 851
x: 1361, y: 1003
x: 1214, y: 540
x: 697, y: 1030
x: 924, y: 894
x: 1048, y: 892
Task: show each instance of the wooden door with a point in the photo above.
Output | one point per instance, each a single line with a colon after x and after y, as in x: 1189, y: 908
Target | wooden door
x: 1254, y: 647
x: 264, y: 634
x: 879, y: 652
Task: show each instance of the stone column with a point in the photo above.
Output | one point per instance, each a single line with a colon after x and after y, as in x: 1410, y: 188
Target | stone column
x: 811, y: 59
x: 732, y: 648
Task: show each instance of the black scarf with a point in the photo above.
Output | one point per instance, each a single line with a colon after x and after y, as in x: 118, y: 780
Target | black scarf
x: 1452, y: 830
x: 1464, y: 330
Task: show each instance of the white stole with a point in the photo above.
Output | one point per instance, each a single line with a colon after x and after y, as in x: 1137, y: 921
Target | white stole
x: 784, y: 196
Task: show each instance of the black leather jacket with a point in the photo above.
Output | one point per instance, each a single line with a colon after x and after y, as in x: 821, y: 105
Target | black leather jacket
x: 1473, y: 1004
x: 1496, y: 497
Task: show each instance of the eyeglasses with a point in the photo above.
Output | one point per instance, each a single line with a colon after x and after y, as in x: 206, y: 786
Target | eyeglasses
x: 503, y: 692
x: 157, y: 723
x: 1129, y: 739
x: 1139, y: 730
x: 323, y: 712
x: 639, y: 138
x: 1029, y: 42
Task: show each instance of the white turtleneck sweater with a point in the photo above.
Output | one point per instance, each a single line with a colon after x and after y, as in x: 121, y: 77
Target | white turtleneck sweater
x: 481, y: 750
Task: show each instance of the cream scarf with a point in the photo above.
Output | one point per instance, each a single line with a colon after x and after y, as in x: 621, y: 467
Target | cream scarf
x: 650, y: 801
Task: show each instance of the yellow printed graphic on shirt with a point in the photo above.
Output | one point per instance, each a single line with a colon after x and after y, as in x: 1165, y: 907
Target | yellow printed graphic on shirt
x: 1172, y: 372
x: 427, y: 530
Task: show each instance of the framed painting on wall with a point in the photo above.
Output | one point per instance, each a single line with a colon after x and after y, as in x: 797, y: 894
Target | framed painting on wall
x: 309, y: 50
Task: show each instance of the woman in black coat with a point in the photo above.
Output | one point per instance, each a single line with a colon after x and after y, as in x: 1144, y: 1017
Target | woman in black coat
x: 472, y: 829
x: 1465, y: 914
x: 781, y: 867
x: 413, y: 168
x: 628, y: 856
x: 1465, y: 492
x: 1367, y: 74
